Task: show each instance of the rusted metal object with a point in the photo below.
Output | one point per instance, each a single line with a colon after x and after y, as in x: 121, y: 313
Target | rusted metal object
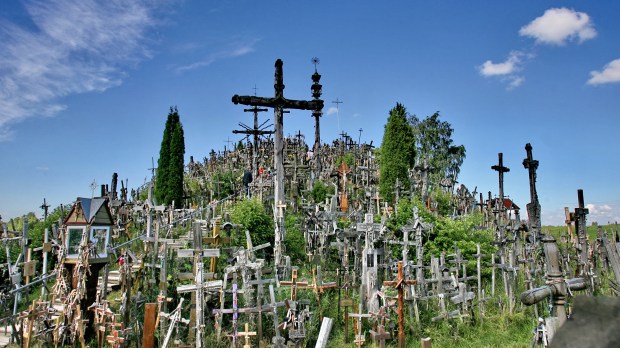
x: 556, y: 287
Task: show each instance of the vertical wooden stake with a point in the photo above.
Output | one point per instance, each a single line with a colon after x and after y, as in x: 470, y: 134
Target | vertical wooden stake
x: 148, y: 337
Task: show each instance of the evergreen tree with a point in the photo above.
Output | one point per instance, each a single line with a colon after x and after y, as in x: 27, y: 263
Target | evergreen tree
x: 176, y: 167
x: 169, y: 179
x: 397, y: 152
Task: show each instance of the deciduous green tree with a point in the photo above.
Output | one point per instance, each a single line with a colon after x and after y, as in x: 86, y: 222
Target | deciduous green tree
x: 433, y: 141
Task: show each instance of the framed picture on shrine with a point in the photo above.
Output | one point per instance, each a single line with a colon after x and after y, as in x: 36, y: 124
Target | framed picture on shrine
x: 74, y: 239
x: 100, y: 236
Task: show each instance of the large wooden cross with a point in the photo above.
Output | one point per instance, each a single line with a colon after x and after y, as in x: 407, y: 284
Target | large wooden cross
x: 343, y: 170
x: 279, y: 103
x: 294, y: 284
x: 319, y: 287
x: 501, y: 169
x: 400, y: 284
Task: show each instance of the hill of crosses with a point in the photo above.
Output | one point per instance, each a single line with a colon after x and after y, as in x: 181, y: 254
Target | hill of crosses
x: 288, y: 241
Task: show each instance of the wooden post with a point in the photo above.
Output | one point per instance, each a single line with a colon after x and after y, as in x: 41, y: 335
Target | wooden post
x: 148, y: 337
x: 425, y: 342
x: 346, y: 303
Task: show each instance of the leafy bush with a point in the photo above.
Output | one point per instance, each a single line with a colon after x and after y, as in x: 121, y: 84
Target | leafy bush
x: 319, y: 192
x: 252, y: 215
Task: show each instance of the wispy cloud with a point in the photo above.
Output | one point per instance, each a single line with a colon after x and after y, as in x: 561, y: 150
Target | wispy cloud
x: 331, y: 111
x: 42, y: 168
x: 599, y: 209
x: 610, y: 74
x: 603, y: 212
x: 73, y: 47
x: 515, y: 81
x: 235, y: 49
x: 506, y: 70
x: 559, y: 25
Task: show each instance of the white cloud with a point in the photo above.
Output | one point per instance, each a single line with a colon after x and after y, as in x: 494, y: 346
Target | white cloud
x: 559, y: 25
x: 73, y: 47
x: 331, y: 111
x: 507, y: 70
x: 610, y: 74
x: 235, y: 49
x: 507, y: 67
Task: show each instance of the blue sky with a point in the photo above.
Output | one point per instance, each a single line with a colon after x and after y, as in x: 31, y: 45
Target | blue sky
x: 85, y: 86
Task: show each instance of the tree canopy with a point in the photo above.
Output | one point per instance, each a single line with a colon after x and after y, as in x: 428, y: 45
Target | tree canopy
x: 433, y: 142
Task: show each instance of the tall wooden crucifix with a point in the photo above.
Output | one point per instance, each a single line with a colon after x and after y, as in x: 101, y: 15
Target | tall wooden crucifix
x: 279, y: 103
x: 533, y: 208
x: 501, y: 169
x: 400, y: 284
x: 316, y: 94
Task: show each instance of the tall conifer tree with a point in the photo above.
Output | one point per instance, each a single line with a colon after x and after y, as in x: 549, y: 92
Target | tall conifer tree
x: 176, y: 169
x: 169, y: 179
x: 397, y: 152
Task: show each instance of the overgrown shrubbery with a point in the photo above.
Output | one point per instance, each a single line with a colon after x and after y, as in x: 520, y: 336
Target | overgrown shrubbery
x: 294, y: 241
x: 447, y: 234
x: 319, y: 191
x: 252, y: 215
